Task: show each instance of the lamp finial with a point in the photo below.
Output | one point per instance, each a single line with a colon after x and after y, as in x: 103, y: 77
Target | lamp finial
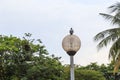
x: 71, y: 31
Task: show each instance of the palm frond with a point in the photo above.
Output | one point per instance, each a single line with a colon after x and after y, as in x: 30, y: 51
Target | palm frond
x: 114, y: 54
x: 107, y: 40
x: 114, y: 50
x: 115, y: 20
x: 115, y: 7
x: 111, y: 35
x: 107, y: 16
x: 103, y: 34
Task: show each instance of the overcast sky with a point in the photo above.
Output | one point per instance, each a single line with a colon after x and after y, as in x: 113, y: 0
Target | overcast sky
x: 50, y: 20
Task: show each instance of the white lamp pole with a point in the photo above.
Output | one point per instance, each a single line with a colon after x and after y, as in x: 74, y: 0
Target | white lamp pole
x: 72, y: 68
x: 71, y: 44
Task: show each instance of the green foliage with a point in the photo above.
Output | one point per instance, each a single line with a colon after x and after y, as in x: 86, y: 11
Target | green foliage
x: 111, y: 35
x: 23, y: 59
x: 88, y: 74
x: 50, y: 69
x: 91, y: 72
x: 27, y: 59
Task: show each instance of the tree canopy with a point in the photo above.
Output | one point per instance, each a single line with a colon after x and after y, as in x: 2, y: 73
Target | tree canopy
x: 27, y: 59
x: 111, y: 35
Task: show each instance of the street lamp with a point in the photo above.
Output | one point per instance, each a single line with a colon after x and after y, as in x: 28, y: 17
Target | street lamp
x: 71, y: 44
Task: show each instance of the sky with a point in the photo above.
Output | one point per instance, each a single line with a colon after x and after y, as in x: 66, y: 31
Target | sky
x: 51, y: 20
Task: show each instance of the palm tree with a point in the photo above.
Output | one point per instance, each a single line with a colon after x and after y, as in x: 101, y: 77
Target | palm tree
x: 111, y: 35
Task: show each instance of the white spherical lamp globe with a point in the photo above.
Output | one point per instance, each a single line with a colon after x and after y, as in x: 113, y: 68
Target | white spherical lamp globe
x: 71, y: 43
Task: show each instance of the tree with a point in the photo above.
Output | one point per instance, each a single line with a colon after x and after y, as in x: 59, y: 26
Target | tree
x: 46, y: 69
x: 93, y: 66
x: 27, y: 59
x: 89, y: 74
x: 91, y: 71
x: 111, y: 35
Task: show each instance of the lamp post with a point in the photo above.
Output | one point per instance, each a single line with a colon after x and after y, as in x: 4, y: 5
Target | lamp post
x: 71, y: 44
